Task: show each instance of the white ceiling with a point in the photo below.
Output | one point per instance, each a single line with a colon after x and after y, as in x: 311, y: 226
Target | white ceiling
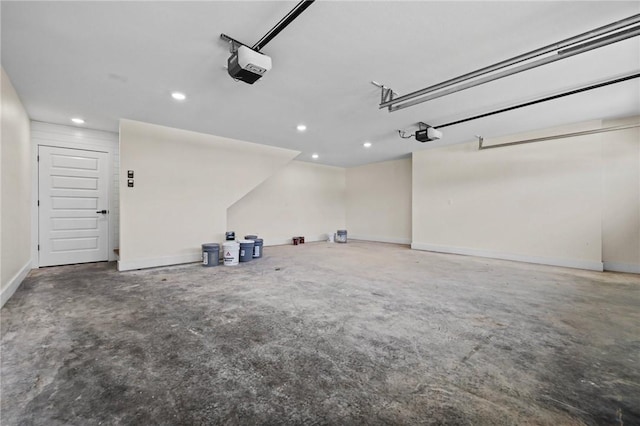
x: 109, y: 60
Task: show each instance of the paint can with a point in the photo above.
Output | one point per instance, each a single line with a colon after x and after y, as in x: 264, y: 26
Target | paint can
x: 257, y: 248
x: 231, y: 252
x: 210, y: 254
x: 246, y: 250
x: 341, y: 236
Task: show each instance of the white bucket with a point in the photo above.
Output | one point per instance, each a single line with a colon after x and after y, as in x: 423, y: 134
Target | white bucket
x: 231, y: 253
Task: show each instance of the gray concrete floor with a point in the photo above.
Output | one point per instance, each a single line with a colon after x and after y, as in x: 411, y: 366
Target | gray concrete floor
x: 357, y: 333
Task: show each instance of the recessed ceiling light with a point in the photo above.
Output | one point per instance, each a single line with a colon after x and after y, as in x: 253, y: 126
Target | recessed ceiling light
x: 315, y: 156
x: 77, y: 120
x: 301, y: 127
x: 367, y: 144
x: 178, y: 96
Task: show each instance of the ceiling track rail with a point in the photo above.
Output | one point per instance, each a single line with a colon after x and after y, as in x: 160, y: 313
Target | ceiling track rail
x: 619, y: 79
x: 284, y: 22
x: 481, y: 145
x: 611, y: 33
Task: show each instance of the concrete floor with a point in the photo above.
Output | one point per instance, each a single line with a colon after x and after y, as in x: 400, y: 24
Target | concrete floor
x: 361, y: 333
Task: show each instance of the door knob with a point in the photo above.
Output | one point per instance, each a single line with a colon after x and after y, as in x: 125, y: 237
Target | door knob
x: 102, y: 211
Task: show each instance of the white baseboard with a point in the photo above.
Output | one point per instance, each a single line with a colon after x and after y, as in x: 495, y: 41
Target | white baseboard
x: 14, y: 283
x: 324, y: 237
x: 405, y: 241
x: 280, y: 242
x: 129, y: 265
x: 567, y: 263
x: 630, y: 268
x: 287, y: 241
x: 196, y: 257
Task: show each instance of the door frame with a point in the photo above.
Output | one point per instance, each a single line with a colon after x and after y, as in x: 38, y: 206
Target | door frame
x: 55, y: 135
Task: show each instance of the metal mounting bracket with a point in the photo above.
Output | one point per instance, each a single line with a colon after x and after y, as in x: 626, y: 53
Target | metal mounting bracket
x: 233, y: 43
x: 386, y: 93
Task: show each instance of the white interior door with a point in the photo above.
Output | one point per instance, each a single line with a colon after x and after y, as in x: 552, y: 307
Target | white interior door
x: 73, y: 206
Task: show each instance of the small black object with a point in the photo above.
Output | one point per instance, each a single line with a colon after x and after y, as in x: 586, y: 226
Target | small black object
x: 230, y: 235
x: 130, y: 174
x: 130, y: 183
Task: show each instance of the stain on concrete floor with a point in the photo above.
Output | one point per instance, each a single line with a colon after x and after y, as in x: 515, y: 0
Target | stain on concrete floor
x: 357, y: 333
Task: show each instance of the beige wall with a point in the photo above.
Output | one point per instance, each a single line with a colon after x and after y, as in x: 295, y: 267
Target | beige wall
x: 184, y: 183
x: 379, y: 201
x: 302, y: 199
x: 539, y: 202
x: 621, y: 207
x: 15, y: 200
